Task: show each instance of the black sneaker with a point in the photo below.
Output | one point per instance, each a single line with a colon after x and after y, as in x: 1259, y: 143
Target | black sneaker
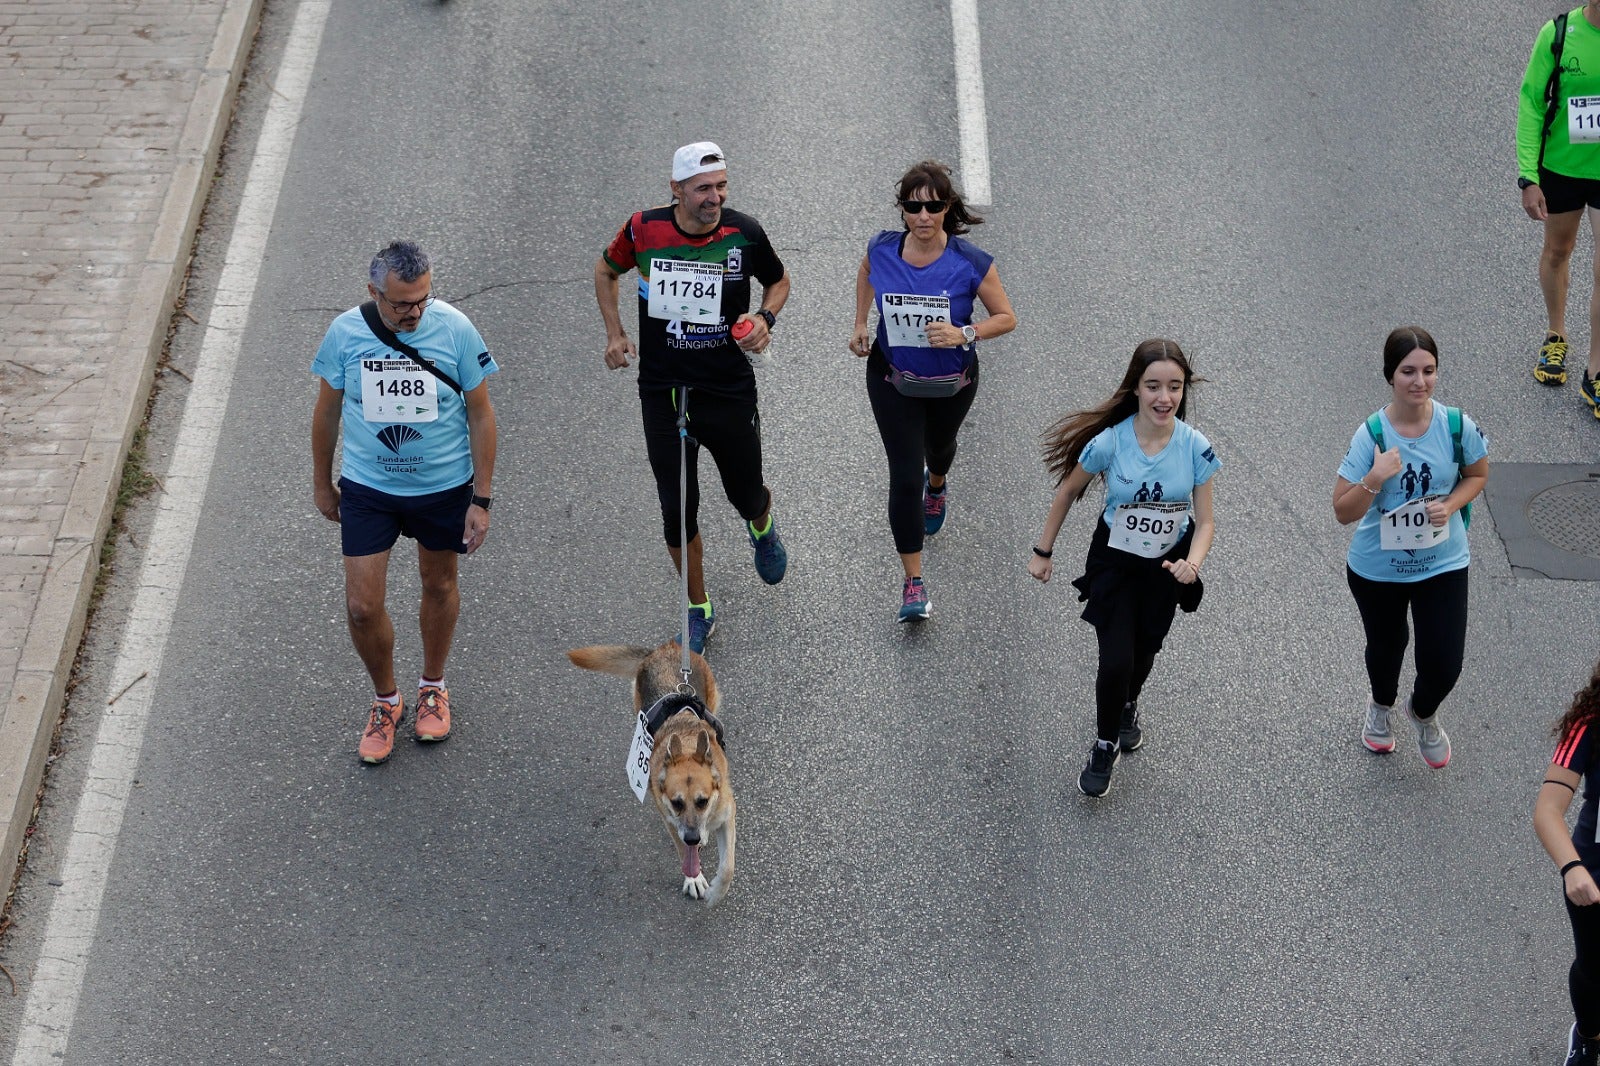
x: 1580, y: 1052
x: 1551, y: 369
x: 1096, y: 777
x: 1130, y: 736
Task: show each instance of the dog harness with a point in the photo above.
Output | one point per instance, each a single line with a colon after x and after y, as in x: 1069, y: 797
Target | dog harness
x: 674, y: 702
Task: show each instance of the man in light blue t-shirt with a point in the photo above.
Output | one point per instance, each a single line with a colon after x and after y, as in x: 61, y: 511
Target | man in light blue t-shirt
x: 406, y: 374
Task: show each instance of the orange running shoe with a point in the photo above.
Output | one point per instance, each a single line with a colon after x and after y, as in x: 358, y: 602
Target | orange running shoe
x: 433, y: 713
x: 377, y: 743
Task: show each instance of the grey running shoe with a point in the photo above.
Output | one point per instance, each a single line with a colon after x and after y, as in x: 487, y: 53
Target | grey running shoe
x: 1432, y: 740
x: 1375, y: 731
x: 1096, y: 777
x: 1130, y: 736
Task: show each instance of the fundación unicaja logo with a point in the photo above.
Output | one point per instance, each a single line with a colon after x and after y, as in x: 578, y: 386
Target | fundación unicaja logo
x: 397, y: 436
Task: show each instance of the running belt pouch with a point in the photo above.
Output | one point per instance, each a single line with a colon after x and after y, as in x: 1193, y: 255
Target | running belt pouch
x: 1453, y: 419
x: 927, y: 388
x: 369, y: 312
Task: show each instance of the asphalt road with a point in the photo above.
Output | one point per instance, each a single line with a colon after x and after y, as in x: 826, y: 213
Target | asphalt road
x: 1274, y: 185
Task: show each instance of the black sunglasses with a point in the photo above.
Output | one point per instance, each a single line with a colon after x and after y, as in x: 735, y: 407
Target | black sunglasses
x: 914, y: 207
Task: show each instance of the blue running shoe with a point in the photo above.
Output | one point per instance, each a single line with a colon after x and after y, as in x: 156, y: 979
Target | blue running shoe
x: 934, y: 505
x: 914, y: 605
x: 1590, y: 387
x: 702, y: 623
x: 772, y: 558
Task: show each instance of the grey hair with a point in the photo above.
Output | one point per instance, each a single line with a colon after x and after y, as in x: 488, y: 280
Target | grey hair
x: 404, y: 259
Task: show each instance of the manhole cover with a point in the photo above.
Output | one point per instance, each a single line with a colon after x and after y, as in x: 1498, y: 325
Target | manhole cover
x: 1568, y: 516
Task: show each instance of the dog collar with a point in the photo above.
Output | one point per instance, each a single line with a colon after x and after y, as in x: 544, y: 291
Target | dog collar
x: 674, y: 702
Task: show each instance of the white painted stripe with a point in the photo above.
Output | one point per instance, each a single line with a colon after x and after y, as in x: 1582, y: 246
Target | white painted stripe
x: 969, y: 103
x: 58, y: 979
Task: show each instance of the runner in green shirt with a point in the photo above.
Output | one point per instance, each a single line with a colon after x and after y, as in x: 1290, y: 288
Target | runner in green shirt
x: 1558, y: 163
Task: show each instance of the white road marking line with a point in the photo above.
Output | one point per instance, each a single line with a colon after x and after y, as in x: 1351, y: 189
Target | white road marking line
x: 58, y: 979
x: 969, y: 103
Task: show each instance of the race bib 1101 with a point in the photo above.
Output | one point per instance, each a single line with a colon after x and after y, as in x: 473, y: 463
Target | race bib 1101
x: 1408, y: 527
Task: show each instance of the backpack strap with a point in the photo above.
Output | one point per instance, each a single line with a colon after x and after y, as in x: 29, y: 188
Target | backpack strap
x: 1552, y: 88
x: 1453, y: 417
x: 369, y: 314
x: 1375, y: 427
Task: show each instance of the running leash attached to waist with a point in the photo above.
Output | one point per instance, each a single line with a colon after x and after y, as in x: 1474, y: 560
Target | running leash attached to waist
x: 369, y: 313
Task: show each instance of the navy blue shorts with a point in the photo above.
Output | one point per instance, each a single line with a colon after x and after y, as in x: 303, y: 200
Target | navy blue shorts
x: 371, y: 521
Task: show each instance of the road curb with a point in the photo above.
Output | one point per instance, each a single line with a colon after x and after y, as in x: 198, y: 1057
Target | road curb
x: 57, y: 625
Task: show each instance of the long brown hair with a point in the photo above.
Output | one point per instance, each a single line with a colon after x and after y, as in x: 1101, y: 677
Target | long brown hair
x: 1585, y: 706
x: 1064, y: 442
x: 934, y: 176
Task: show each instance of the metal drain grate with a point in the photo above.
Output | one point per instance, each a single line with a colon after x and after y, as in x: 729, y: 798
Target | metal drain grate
x: 1568, y: 516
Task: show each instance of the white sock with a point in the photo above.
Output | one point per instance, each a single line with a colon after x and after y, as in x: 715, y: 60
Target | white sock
x: 421, y: 683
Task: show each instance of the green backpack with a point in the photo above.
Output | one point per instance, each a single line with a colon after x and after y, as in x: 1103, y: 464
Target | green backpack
x: 1453, y: 417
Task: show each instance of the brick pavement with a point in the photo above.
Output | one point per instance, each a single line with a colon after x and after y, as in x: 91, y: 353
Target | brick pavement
x: 111, y: 116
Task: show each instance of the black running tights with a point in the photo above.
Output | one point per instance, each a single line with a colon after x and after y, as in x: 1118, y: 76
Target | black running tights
x: 916, y: 432
x: 1583, y: 980
x: 729, y: 427
x: 1126, y: 659
x: 1438, y: 607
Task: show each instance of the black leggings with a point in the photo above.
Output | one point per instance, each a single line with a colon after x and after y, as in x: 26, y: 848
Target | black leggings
x: 1126, y: 658
x: 729, y: 427
x: 1439, y: 614
x: 916, y: 432
x: 1583, y: 979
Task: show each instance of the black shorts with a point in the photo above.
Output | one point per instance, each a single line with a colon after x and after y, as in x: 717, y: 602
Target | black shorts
x: 729, y: 427
x: 1563, y: 194
x: 371, y: 521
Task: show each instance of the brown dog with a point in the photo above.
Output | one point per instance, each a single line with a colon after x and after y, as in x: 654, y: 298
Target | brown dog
x: 688, y: 769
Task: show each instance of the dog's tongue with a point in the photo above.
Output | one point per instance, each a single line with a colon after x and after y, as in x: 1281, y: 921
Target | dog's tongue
x: 691, y: 861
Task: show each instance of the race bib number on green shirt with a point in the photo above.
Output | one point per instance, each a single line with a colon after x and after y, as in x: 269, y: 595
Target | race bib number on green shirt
x: 1583, y: 119
x: 398, y: 390
x: 685, y: 291
x: 906, y: 318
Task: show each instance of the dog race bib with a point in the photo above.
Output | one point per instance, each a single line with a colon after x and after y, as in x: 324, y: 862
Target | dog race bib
x: 398, y: 390
x: 685, y: 291
x: 639, y: 759
x: 1148, y: 529
x: 906, y: 318
x: 1408, y: 526
x: 1583, y: 119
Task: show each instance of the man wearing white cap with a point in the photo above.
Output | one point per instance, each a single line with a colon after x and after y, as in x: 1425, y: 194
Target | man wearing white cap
x: 695, y: 259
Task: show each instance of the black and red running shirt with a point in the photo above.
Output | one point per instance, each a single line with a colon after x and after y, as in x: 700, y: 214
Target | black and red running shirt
x: 1576, y: 752
x: 700, y: 355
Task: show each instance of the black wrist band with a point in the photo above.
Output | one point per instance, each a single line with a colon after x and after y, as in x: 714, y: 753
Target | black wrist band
x: 482, y: 501
x: 1570, y: 865
x: 1041, y: 553
x: 768, y: 317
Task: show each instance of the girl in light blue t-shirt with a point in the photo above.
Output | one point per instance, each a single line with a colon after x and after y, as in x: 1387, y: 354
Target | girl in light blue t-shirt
x: 1145, y: 556
x: 1406, y: 492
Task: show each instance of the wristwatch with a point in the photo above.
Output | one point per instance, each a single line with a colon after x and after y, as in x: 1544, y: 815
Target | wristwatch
x: 1523, y: 183
x: 970, y: 333
x: 768, y: 317
x: 482, y: 501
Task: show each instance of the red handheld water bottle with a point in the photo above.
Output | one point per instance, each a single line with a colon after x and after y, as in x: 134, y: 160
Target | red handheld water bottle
x: 741, y: 329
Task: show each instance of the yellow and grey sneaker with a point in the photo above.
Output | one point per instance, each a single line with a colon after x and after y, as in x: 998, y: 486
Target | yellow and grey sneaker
x: 1590, y: 387
x: 1551, y: 369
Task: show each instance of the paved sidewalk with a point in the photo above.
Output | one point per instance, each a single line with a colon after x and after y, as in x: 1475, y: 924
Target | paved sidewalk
x: 111, y: 116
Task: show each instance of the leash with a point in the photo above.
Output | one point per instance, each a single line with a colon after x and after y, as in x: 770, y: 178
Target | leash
x: 683, y: 530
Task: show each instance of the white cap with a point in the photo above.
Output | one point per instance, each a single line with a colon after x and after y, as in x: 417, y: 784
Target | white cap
x: 697, y: 158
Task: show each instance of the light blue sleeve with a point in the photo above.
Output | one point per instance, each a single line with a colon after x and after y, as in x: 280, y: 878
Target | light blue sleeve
x: 1358, y: 460
x: 472, y: 356
x: 1206, y: 463
x: 1097, y: 454
x: 329, y: 361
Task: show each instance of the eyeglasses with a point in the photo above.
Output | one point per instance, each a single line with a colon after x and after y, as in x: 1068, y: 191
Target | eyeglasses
x: 916, y: 207
x: 407, y: 306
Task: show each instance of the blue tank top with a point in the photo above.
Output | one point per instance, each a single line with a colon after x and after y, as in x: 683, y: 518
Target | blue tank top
x: 956, y: 275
